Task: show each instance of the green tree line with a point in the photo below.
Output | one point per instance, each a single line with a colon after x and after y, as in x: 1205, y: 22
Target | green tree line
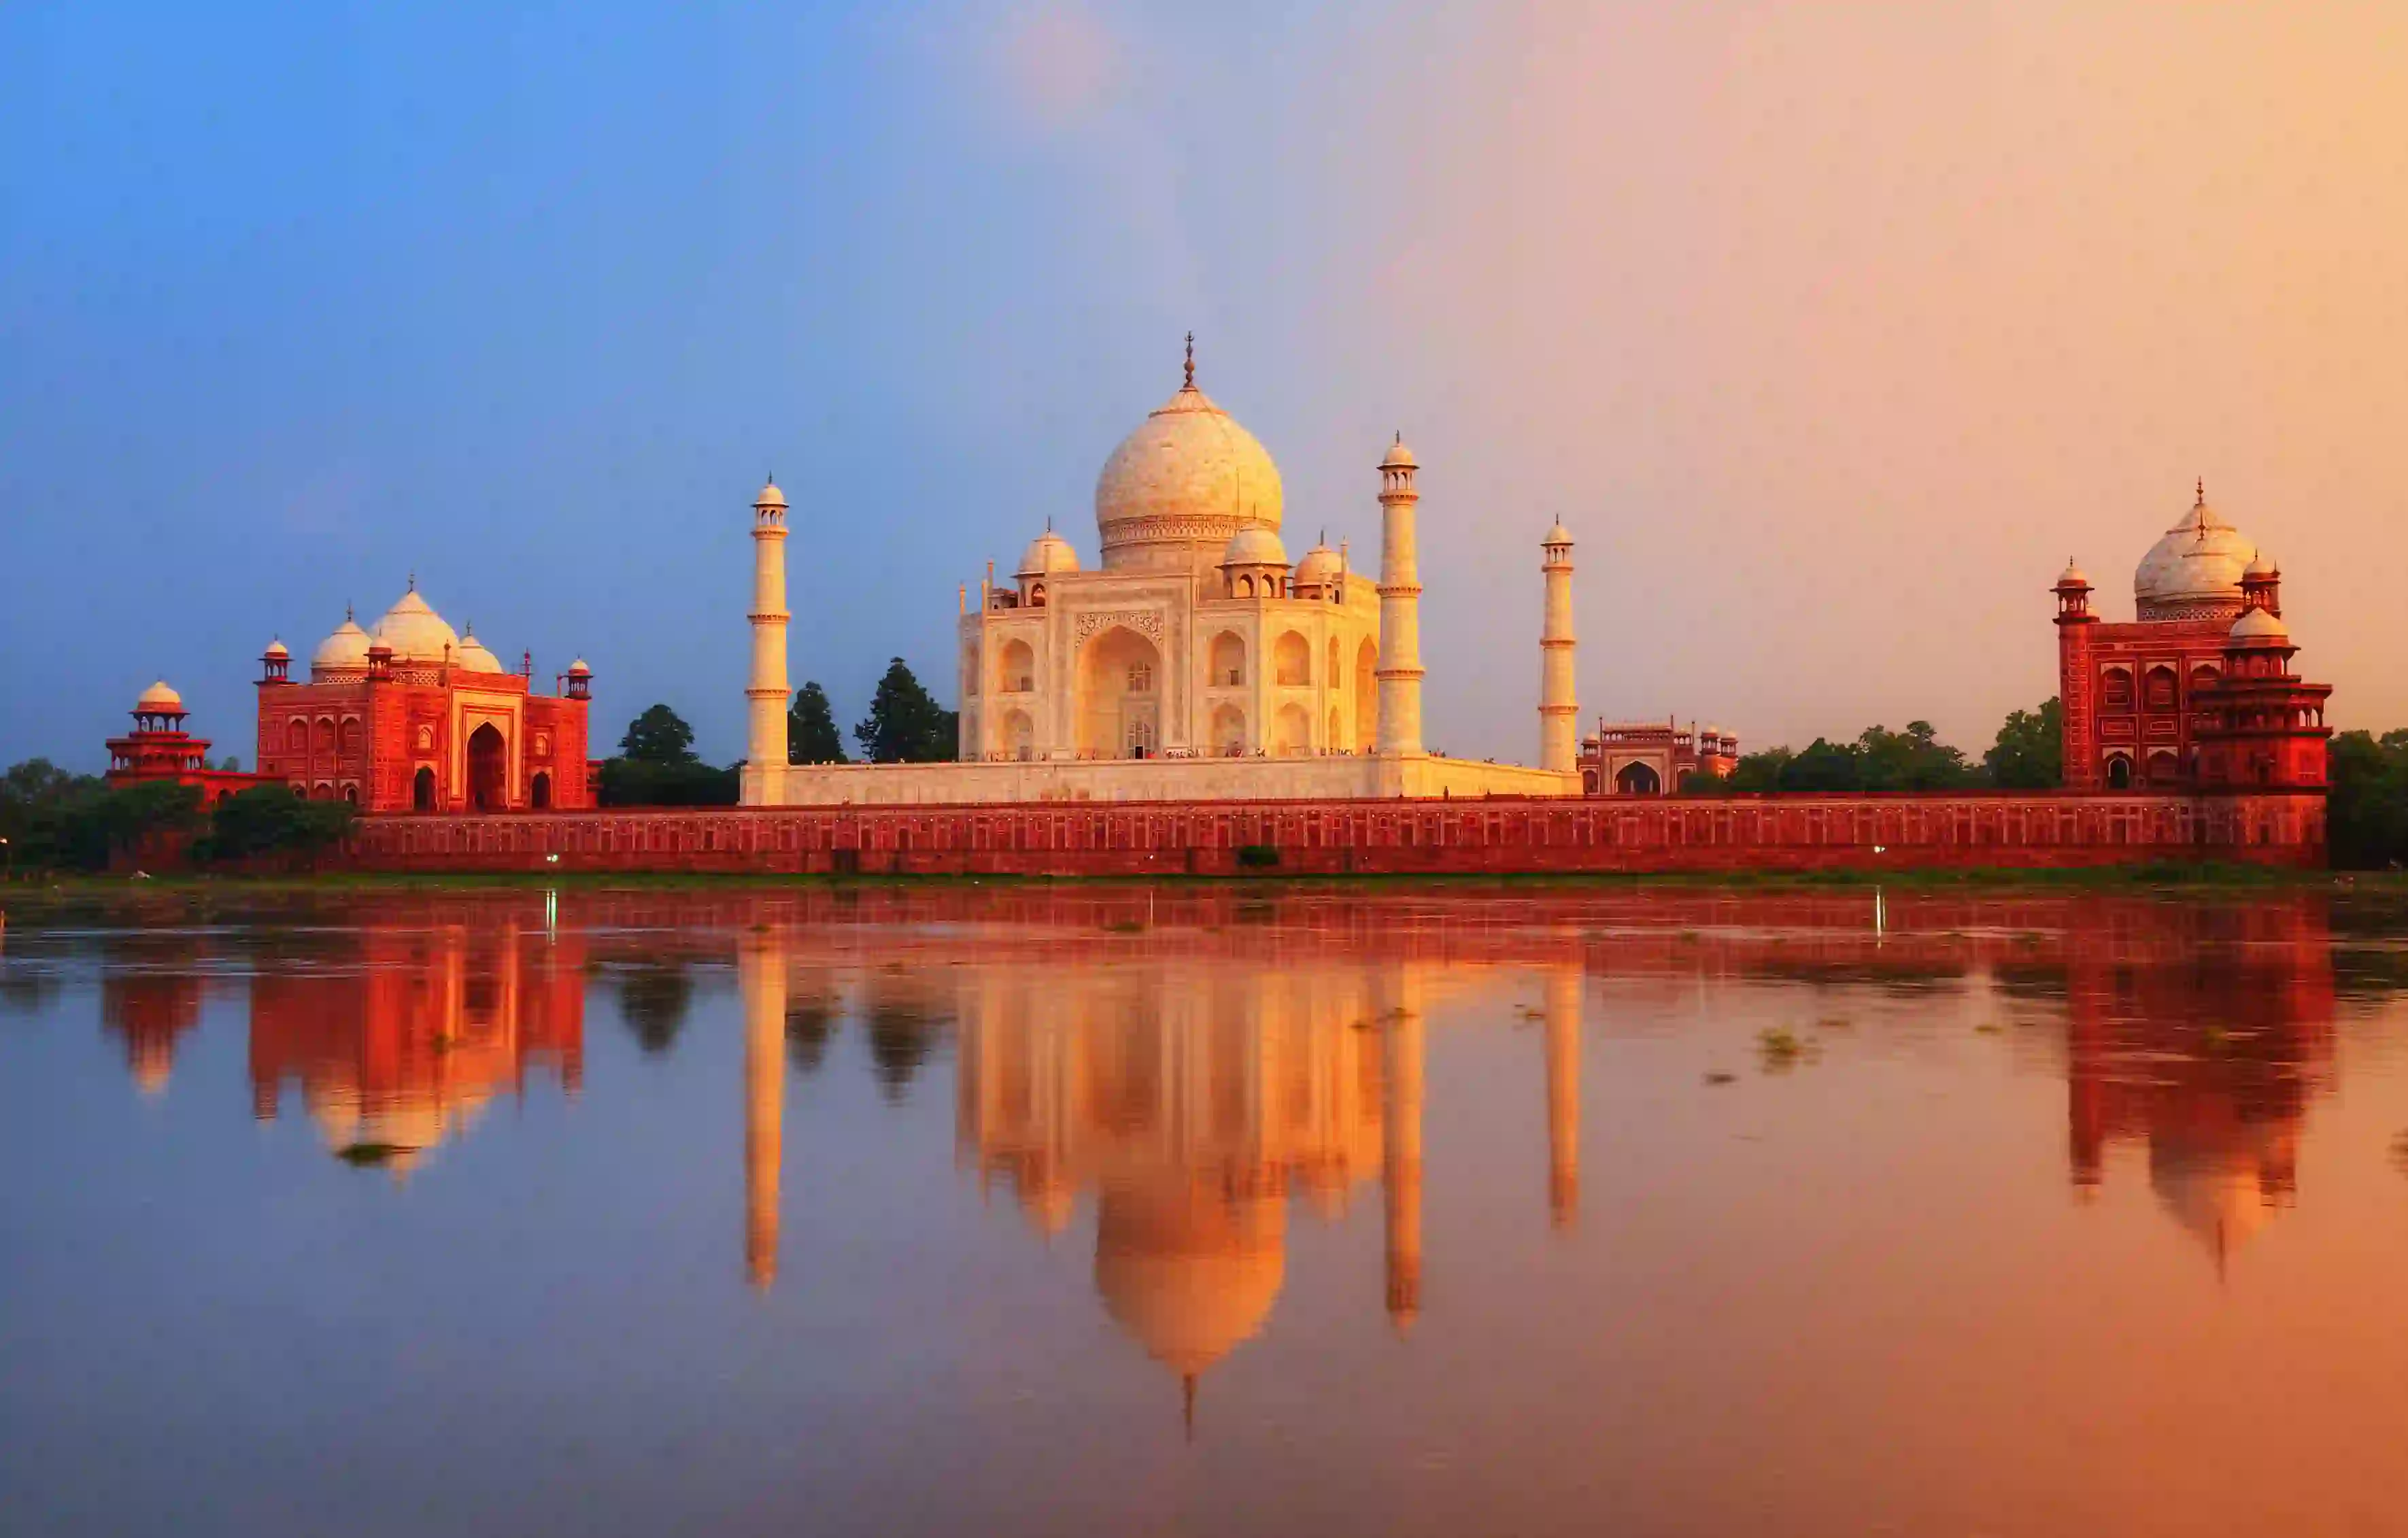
x: 55, y: 820
x: 657, y: 766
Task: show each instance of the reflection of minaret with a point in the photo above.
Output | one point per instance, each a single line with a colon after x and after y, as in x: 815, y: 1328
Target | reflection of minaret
x: 1563, y: 1092
x: 1401, y: 1128
x: 761, y: 965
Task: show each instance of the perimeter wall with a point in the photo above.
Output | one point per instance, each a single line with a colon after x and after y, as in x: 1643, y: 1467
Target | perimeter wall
x: 1786, y: 833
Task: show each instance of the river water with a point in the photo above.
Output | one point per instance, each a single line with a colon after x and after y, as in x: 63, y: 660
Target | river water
x: 1203, y: 1210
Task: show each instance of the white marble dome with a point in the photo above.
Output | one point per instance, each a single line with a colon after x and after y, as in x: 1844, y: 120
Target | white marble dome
x: 1320, y: 567
x: 1177, y: 488
x: 2194, y: 571
x: 1254, y: 545
x: 415, y: 632
x: 347, y: 646
x: 2259, y: 625
x: 1048, y: 555
x: 277, y: 651
x: 474, y: 656
x: 159, y: 698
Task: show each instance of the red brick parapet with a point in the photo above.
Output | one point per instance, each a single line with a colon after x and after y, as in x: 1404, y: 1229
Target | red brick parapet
x: 1783, y: 833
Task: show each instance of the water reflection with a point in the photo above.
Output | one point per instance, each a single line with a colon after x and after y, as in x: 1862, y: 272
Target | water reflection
x: 399, y: 1037
x: 1257, y: 1130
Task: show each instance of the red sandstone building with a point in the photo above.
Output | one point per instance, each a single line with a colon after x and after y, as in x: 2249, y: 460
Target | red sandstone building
x: 413, y: 717
x: 2196, y: 693
x: 1652, y: 757
x: 160, y: 750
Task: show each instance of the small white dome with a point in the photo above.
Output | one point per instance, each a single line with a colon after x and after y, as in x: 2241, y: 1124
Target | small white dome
x: 770, y: 496
x: 1320, y: 567
x: 159, y: 697
x: 415, y: 632
x: 2263, y: 566
x: 2259, y: 625
x: 2072, y: 575
x: 1558, y: 534
x: 474, y: 657
x: 1256, y: 545
x: 1398, y: 457
x: 579, y: 670
x: 277, y: 651
x: 1048, y: 554
x: 347, y: 646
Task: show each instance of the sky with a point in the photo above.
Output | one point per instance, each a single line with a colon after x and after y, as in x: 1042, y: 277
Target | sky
x: 1830, y: 331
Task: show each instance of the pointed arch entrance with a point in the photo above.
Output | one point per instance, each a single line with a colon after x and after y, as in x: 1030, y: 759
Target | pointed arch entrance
x: 1120, y: 701
x: 489, y: 765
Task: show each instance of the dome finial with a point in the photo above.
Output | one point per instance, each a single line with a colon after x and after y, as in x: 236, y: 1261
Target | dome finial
x: 1190, y: 381
x: 2201, y: 492
x: 414, y: 581
x: 348, y: 618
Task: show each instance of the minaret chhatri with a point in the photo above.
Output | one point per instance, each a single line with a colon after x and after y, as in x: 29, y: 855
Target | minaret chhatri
x: 765, y: 756
x: 1400, y: 603
x: 1558, y: 712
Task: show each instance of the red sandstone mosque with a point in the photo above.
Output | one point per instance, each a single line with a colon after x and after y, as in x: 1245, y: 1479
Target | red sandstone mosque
x: 2197, y: 692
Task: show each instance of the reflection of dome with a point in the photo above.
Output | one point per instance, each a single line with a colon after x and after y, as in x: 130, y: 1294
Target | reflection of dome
x: 159, y: 699
x: 2194, y: 571
x: 347, y: 646
x: 2222, y: 1202
x: 2259, y: 625
x: 1254, y: 545
x: 415, y: 632
x: 1190, y: 1273
x: 1047, y: 555
x: 1188, y: 477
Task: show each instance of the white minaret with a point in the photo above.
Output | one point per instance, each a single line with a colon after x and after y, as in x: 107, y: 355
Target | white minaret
x: 1558, y: 713
x: 765, y: 755
x: 1400, y: 605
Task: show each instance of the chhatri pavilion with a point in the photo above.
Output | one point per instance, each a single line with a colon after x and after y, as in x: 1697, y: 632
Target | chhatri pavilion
x: 1195, y: 661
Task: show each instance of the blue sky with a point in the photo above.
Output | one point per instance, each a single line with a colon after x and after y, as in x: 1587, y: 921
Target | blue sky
x: 295, y: 301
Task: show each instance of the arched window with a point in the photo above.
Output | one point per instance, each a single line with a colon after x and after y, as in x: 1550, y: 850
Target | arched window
x: 1228, y: 668
x: 1230, y: 732
x: 1588, y: 782
x: 2115, y: 691
x: 2162, y: 687
x: 2119, y: 773
x: 539, y: 791
x: 1140, y: 678
x: 351, y: 795
x: 1246, y: 587
x: 296, y: 735
x: 351, y: 736
x: 325, y: 735
x: 1037, y: 595
x: 1018, y: 665
x: 2164, y: 769
x: 1292, y: 660
x: 1638, y: 780
x: 421, y: 790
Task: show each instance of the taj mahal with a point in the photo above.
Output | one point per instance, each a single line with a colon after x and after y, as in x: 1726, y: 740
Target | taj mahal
x: 1195, y: 661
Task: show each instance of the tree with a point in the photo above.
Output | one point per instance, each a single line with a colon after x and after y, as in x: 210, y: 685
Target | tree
x: 658, y: 737
x: 268, y: 819
x: 811, y: 736
x: 2365, y: 807
x: 906, y: 724
x: 1913, y: 760
x: 2029, y: 754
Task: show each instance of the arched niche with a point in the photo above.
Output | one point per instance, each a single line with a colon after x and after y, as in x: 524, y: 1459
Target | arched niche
x: 1292, y: 660
x: 1228, y: 662
x: 1119, y: 705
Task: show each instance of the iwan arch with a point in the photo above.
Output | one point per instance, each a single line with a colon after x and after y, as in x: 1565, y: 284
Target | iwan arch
x: 1197, y: 662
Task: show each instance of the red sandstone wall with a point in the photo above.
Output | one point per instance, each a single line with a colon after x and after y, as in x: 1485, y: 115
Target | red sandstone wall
x: 1735, y: 834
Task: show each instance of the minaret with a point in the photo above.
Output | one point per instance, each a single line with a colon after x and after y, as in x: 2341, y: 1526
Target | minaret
x: 2078, y: 728
x: 1564, y: 985
x: 765, y: 757
x: 1558, y: 712
x: 1400, y: 1153
x: 1400, y: 603
x: 761, y: 976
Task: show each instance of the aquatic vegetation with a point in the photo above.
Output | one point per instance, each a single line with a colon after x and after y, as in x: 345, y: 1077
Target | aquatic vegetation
x: 1989, y: 1028
x: 1779, y: 1047
x: 1719, y: 1076
x: 366, y: 1155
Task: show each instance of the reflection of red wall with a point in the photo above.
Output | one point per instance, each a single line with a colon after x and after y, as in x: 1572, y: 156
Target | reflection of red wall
x: 1604, y: 833
x: 421, y: 1021
x: 151, y: 1014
